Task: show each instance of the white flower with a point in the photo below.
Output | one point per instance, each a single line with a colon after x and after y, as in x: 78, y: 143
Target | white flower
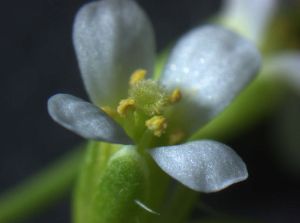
x: 208, y: 67
x: 251, y: 19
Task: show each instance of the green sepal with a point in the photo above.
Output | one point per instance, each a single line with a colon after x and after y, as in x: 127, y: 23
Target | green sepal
x: 111, y: 181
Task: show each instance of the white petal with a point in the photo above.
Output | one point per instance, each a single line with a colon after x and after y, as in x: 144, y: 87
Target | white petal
x: 250, y: 17
x: 205, y: 166
x: 210, y: 65
x: 112, y: 38
x: 285, y: 66
x: 85, y: 119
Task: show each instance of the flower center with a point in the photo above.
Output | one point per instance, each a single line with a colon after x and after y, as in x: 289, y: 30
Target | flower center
x: 149, y: 96
x: 143, y: 113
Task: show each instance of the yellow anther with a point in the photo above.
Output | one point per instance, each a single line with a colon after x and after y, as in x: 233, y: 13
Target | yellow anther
x: 175, y: 96
x: 125, y: 105
x: 176, y: 137
x: 110, y: 111
x: 157, y: 124
x: 137, y: 76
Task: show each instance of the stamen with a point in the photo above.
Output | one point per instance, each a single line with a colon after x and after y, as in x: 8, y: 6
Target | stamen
x: 175, y: 96
x: 137, y: 76
x: 110, y: 111
x: 176, y: 137
x: 125, y: 105
x: 157, y: 124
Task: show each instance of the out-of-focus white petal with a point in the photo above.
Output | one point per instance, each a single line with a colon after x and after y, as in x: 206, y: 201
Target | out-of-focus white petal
x: 85, y: 119
x: 286, y: 66
x: 210, y: 65
x: 112, y: 38
x: 205, y: 166
x: 249, y: 17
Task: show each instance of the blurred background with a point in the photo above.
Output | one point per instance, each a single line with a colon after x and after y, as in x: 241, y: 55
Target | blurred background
x: 37, y: 61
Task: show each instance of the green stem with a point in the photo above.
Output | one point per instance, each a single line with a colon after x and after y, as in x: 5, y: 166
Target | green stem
x: 181, y: 204
x: 40, y: 190
x: 159, y: 185
x: 257, y: 101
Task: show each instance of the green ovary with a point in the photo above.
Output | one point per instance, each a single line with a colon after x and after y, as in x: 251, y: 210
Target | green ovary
x: 149, y: 96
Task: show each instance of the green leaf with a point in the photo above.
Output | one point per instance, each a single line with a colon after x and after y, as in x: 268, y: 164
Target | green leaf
x: 41, y: 190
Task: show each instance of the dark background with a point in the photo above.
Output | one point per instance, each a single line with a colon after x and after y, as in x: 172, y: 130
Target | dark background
x: 37, y: 61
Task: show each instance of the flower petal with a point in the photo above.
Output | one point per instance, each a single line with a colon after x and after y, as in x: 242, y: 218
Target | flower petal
x: 286, y: 66
x: 249, y: 17
x: 205, y: 166
x: 85, y: 119
x: 210, y: 65
x: 112, y: 38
